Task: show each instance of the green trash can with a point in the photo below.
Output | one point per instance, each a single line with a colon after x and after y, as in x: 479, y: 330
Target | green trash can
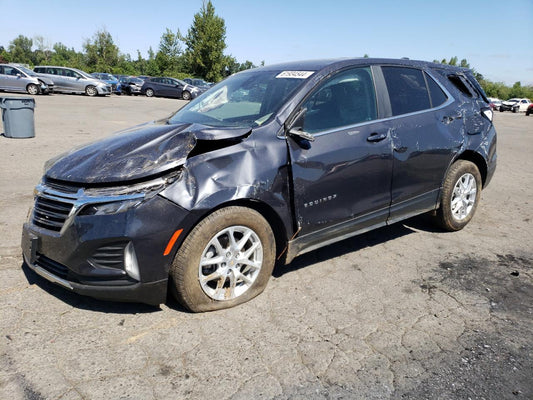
x: 17, y: 115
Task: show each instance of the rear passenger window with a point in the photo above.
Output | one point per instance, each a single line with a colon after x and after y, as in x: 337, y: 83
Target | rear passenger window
x: 407, y: 90
x: 436, y: 94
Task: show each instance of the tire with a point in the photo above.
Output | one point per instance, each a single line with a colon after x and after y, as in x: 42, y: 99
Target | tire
x: 149, y: 92
x: 515, y: 110
x: 232, y: 281
x: 460, y: 196
x: 32, y: 89
x: 91, y: 91
x: 186, y: 95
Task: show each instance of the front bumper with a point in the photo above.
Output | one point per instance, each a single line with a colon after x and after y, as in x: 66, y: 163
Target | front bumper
x: 103, y: 90
x: 89, y: 254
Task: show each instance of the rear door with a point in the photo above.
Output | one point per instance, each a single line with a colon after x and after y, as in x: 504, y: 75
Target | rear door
x: 342, y: 178
x: 427, y: 132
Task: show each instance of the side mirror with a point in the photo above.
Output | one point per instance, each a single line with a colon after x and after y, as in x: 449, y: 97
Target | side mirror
x: 19, y: 75
x: 296, y: 127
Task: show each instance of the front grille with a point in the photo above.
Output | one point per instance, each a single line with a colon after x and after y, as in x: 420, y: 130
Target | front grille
x: 51, y: 213
x: 52, y: 266
x: 110, y: 256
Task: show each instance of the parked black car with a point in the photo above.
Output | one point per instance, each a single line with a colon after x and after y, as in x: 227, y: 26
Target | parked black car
x: 268, y: 164
x: 130, y: 85
x: 199, y: 83
x: 169, y: 87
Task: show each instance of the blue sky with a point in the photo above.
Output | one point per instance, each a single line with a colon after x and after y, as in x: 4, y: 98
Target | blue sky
x: 493, y: 35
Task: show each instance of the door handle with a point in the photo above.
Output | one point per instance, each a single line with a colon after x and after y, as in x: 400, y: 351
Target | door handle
x: 376, y: 137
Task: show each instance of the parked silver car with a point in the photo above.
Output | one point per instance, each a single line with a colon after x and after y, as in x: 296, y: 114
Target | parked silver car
x: 72, y: 80
x: 16, y: 78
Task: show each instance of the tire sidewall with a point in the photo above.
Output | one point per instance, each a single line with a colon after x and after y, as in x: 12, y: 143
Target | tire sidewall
x: 32, y: 88
x: 149, y: 93
x: 184, y: 270
x: 456, y: 171
x: 91, y: 91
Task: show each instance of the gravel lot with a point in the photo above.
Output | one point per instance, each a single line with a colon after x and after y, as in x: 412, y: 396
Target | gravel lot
x: 404, y: 312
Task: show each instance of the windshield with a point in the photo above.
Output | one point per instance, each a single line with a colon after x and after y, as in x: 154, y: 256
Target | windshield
x: 84, y: 74
x: 26, y: 70
x: 246, y: 99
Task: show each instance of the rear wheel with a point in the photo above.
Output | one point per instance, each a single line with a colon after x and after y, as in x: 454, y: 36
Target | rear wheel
x: 32, y: 89
x: 460, y: 195
x: 226, y: 260
x: 91, y: 91
x: 149, y: 92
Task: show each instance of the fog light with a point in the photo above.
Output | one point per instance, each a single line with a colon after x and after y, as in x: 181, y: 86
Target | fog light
x: 130, y: 261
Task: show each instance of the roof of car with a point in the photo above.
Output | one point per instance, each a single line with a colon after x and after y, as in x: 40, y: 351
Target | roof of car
x: 315, y: 65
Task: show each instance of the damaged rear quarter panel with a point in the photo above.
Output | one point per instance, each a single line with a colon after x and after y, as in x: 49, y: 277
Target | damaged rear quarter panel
x: 254, y: 170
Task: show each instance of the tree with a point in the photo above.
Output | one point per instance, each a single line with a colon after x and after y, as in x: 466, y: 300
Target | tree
x: 4, y: 55
x: 205, y: 44
x: 168, y: 58
x: 66, y: 57
x: 42, y: 53
x: 101, y: 53
x: 20, y: 50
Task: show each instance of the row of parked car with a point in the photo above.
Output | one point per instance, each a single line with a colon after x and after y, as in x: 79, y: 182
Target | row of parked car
x: 47, y: 79
x: 515, y: 105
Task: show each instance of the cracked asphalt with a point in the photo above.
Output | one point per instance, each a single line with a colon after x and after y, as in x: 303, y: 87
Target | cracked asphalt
x: 403, y: 312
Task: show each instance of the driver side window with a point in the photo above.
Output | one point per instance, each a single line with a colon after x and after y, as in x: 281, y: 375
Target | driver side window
x: 346, y: 99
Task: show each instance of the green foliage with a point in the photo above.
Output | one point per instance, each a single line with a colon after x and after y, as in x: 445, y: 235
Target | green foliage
x: 20, y: 50
x: 205, y: 44
x: 231, y: 66
x: 4, y: 55
x: 101, y: 53
x: 169, y: 58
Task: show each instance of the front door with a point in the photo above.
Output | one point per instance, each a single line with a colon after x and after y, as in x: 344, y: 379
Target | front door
x: 343, y: 177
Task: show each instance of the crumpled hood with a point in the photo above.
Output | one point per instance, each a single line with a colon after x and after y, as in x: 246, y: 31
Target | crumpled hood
x: 136, y: 153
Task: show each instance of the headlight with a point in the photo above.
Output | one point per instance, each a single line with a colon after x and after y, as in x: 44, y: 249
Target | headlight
x: 110, y: 208
x: 118, y: 199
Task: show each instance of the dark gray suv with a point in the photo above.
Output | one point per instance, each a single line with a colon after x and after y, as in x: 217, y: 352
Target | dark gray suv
x: 269, y: 164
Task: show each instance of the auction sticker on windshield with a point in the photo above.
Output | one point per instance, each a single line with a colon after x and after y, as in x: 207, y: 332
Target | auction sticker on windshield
x: 295, y: 74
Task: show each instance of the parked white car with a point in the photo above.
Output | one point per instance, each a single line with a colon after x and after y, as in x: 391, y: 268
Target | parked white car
x: 515, y: 105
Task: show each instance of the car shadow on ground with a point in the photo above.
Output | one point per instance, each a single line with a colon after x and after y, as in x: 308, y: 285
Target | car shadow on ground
x: 356, y: 243
x: 423, y: 222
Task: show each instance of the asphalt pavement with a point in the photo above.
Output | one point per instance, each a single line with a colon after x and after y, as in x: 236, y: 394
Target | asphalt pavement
x: 403, y: 312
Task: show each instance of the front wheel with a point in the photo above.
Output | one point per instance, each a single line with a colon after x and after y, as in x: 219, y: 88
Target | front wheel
x: 32, y: 89
x: 226, y: 260
x: 149, y: 93
x: 460, y: 195
x: 91, y: 91
x: 186, y: 95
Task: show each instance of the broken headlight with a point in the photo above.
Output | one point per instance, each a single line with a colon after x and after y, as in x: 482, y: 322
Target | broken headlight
x: 117, y: 199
